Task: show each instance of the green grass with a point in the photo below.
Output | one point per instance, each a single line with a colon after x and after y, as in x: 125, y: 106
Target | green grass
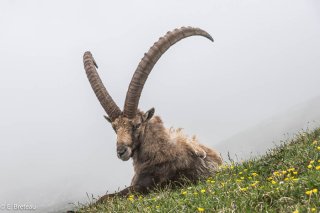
x: 285, y: 179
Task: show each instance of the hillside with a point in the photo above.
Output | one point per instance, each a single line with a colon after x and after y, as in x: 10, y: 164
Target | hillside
x: 285, y: 179
x: 268, y: 133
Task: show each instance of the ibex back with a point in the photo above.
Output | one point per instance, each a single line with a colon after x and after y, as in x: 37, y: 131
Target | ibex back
x: 160, y: 156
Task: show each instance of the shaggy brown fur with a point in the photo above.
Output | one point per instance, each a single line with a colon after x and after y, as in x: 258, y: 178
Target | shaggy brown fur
x: 161, y: 156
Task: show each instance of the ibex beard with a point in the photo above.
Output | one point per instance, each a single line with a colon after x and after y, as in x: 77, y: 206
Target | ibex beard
x: 160, y: 156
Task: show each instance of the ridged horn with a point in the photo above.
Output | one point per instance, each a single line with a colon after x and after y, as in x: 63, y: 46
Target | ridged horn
x: 149, y: 60
x: 101, y: 92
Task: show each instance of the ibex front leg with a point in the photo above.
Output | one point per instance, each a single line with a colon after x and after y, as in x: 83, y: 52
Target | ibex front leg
x: 141, y: 184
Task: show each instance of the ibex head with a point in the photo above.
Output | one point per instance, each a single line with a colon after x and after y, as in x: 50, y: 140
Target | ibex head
x: 130, y: 124
x: 129, y: 132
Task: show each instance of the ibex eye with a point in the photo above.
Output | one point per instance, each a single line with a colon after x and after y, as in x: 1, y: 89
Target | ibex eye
x: 136, y: 126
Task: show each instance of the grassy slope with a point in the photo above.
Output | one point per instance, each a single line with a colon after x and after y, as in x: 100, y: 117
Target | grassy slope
x: 286, y: 179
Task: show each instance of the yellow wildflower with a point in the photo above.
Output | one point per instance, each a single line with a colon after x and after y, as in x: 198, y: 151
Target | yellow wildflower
x: 212, y: 181
x: 195, y: 193
x: 318, y: 168
x: 295, y: 173
x: 131, y: 197
x: 200, y: 209
x: 295, y: 179
x: 255, y: 183
x: 273, y: 182
x: 311, y: 162
x: 254, y: 174
x: 286, y: 179
x: 291, y: 169
x: 276, y: 173
x: 295, y: 211
x: 240, y: 173
x: 318, y: 148
x: 313, y: 209
x: 244, y: 189
x: 203, y: 191
x: 284, y: 172
x: 184, y: 193
x: 309, y: 166
x: 242, y: 178
x: 309, y: 192
x: 314, y: 142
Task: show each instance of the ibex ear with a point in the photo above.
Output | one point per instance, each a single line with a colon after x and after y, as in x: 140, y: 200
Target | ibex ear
x: 107, y: 118
x: 148, y: 115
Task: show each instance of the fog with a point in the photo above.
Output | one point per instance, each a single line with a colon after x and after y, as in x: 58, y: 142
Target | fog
x: 281, y: 128
x: 55, y: 145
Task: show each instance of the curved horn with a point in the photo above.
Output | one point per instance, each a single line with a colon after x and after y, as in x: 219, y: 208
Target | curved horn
x: 102, y: 94
x: 149, y: 60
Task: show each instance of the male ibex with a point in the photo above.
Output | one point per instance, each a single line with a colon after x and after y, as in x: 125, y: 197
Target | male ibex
x: 160, y: 156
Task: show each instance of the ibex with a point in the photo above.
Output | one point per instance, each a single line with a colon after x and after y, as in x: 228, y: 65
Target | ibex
x: 160, y: 156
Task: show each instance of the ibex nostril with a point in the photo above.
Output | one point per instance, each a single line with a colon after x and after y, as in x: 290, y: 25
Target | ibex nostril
x: 121, y: 151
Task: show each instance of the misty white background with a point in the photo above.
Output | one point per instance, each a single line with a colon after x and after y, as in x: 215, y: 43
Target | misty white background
x: 54, y: 143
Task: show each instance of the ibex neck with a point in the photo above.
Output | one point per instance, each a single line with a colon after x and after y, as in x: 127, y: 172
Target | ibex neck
x: 151, y: 142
